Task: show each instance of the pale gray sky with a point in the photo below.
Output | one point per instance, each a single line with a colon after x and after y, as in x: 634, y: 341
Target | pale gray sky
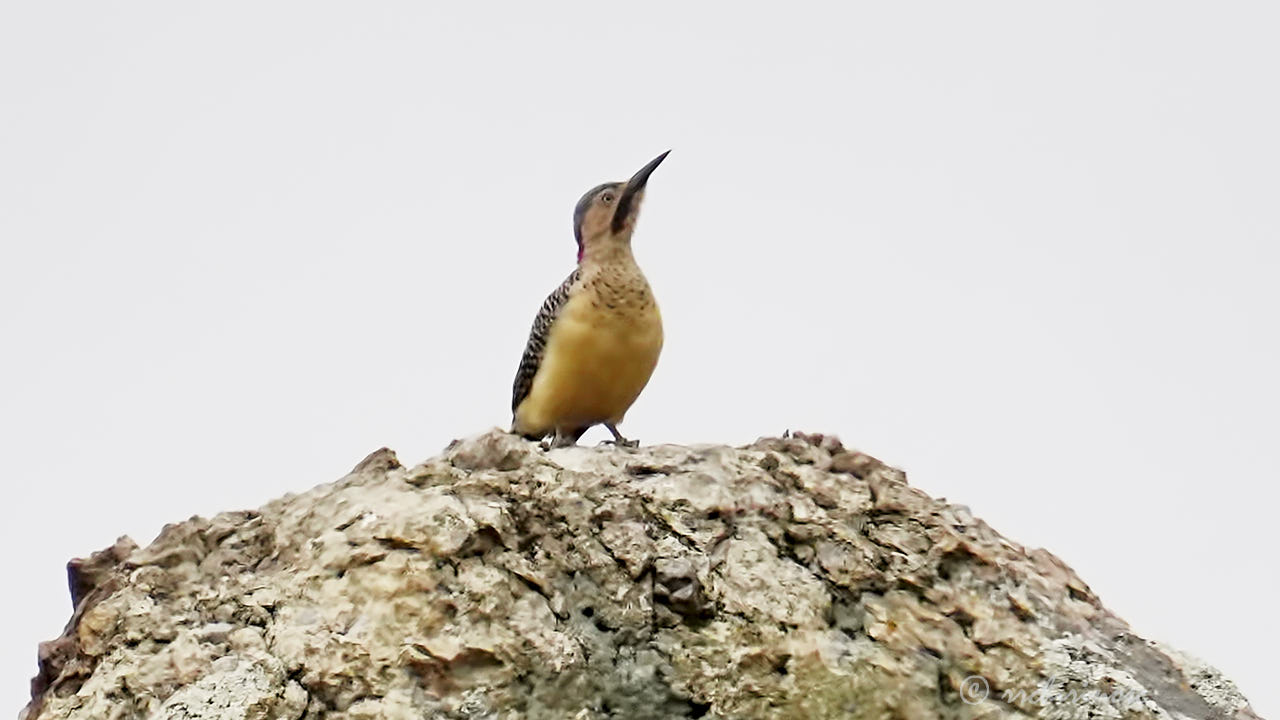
x: 1027, y: 252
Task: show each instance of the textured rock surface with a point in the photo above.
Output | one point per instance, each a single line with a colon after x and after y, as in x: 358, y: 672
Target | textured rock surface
x: 787, y: 579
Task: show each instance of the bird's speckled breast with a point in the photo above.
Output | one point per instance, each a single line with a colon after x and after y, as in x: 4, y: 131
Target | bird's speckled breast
x: 600, y: 353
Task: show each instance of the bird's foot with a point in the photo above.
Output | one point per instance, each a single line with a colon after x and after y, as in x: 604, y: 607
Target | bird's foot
x: 618, y: 440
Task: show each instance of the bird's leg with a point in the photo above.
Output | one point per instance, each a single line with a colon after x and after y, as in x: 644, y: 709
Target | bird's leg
x: 618, y: 439
x: 565, y: 438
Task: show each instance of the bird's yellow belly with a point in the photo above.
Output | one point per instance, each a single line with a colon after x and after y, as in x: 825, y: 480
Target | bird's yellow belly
x: 595, y: 365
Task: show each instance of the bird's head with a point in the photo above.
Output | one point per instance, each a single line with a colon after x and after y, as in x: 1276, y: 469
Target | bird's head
x: 606, y: 215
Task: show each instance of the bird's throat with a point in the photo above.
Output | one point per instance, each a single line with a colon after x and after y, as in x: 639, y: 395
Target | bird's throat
x: 606, y: 251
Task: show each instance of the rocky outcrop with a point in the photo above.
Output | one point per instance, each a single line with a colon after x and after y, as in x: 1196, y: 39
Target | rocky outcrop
x: 788, y: 579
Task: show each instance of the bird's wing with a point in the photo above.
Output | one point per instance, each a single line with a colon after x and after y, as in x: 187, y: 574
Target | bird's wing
x: 537, y: 344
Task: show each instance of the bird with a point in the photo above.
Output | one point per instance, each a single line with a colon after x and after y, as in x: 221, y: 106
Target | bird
x: 596, y: 339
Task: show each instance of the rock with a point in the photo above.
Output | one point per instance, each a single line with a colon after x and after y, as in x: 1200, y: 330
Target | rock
x: 792, y: 578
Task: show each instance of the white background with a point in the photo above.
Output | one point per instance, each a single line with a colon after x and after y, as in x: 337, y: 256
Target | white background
x: 1028, y: 253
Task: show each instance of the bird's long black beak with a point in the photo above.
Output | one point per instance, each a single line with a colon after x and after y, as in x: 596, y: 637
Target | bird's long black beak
x: 633, y: 188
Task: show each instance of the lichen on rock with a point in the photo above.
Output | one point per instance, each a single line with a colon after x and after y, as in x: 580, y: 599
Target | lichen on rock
x: 791, y: 578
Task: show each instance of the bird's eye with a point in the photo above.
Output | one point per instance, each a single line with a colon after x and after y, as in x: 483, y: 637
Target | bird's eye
x: 606, y: 198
